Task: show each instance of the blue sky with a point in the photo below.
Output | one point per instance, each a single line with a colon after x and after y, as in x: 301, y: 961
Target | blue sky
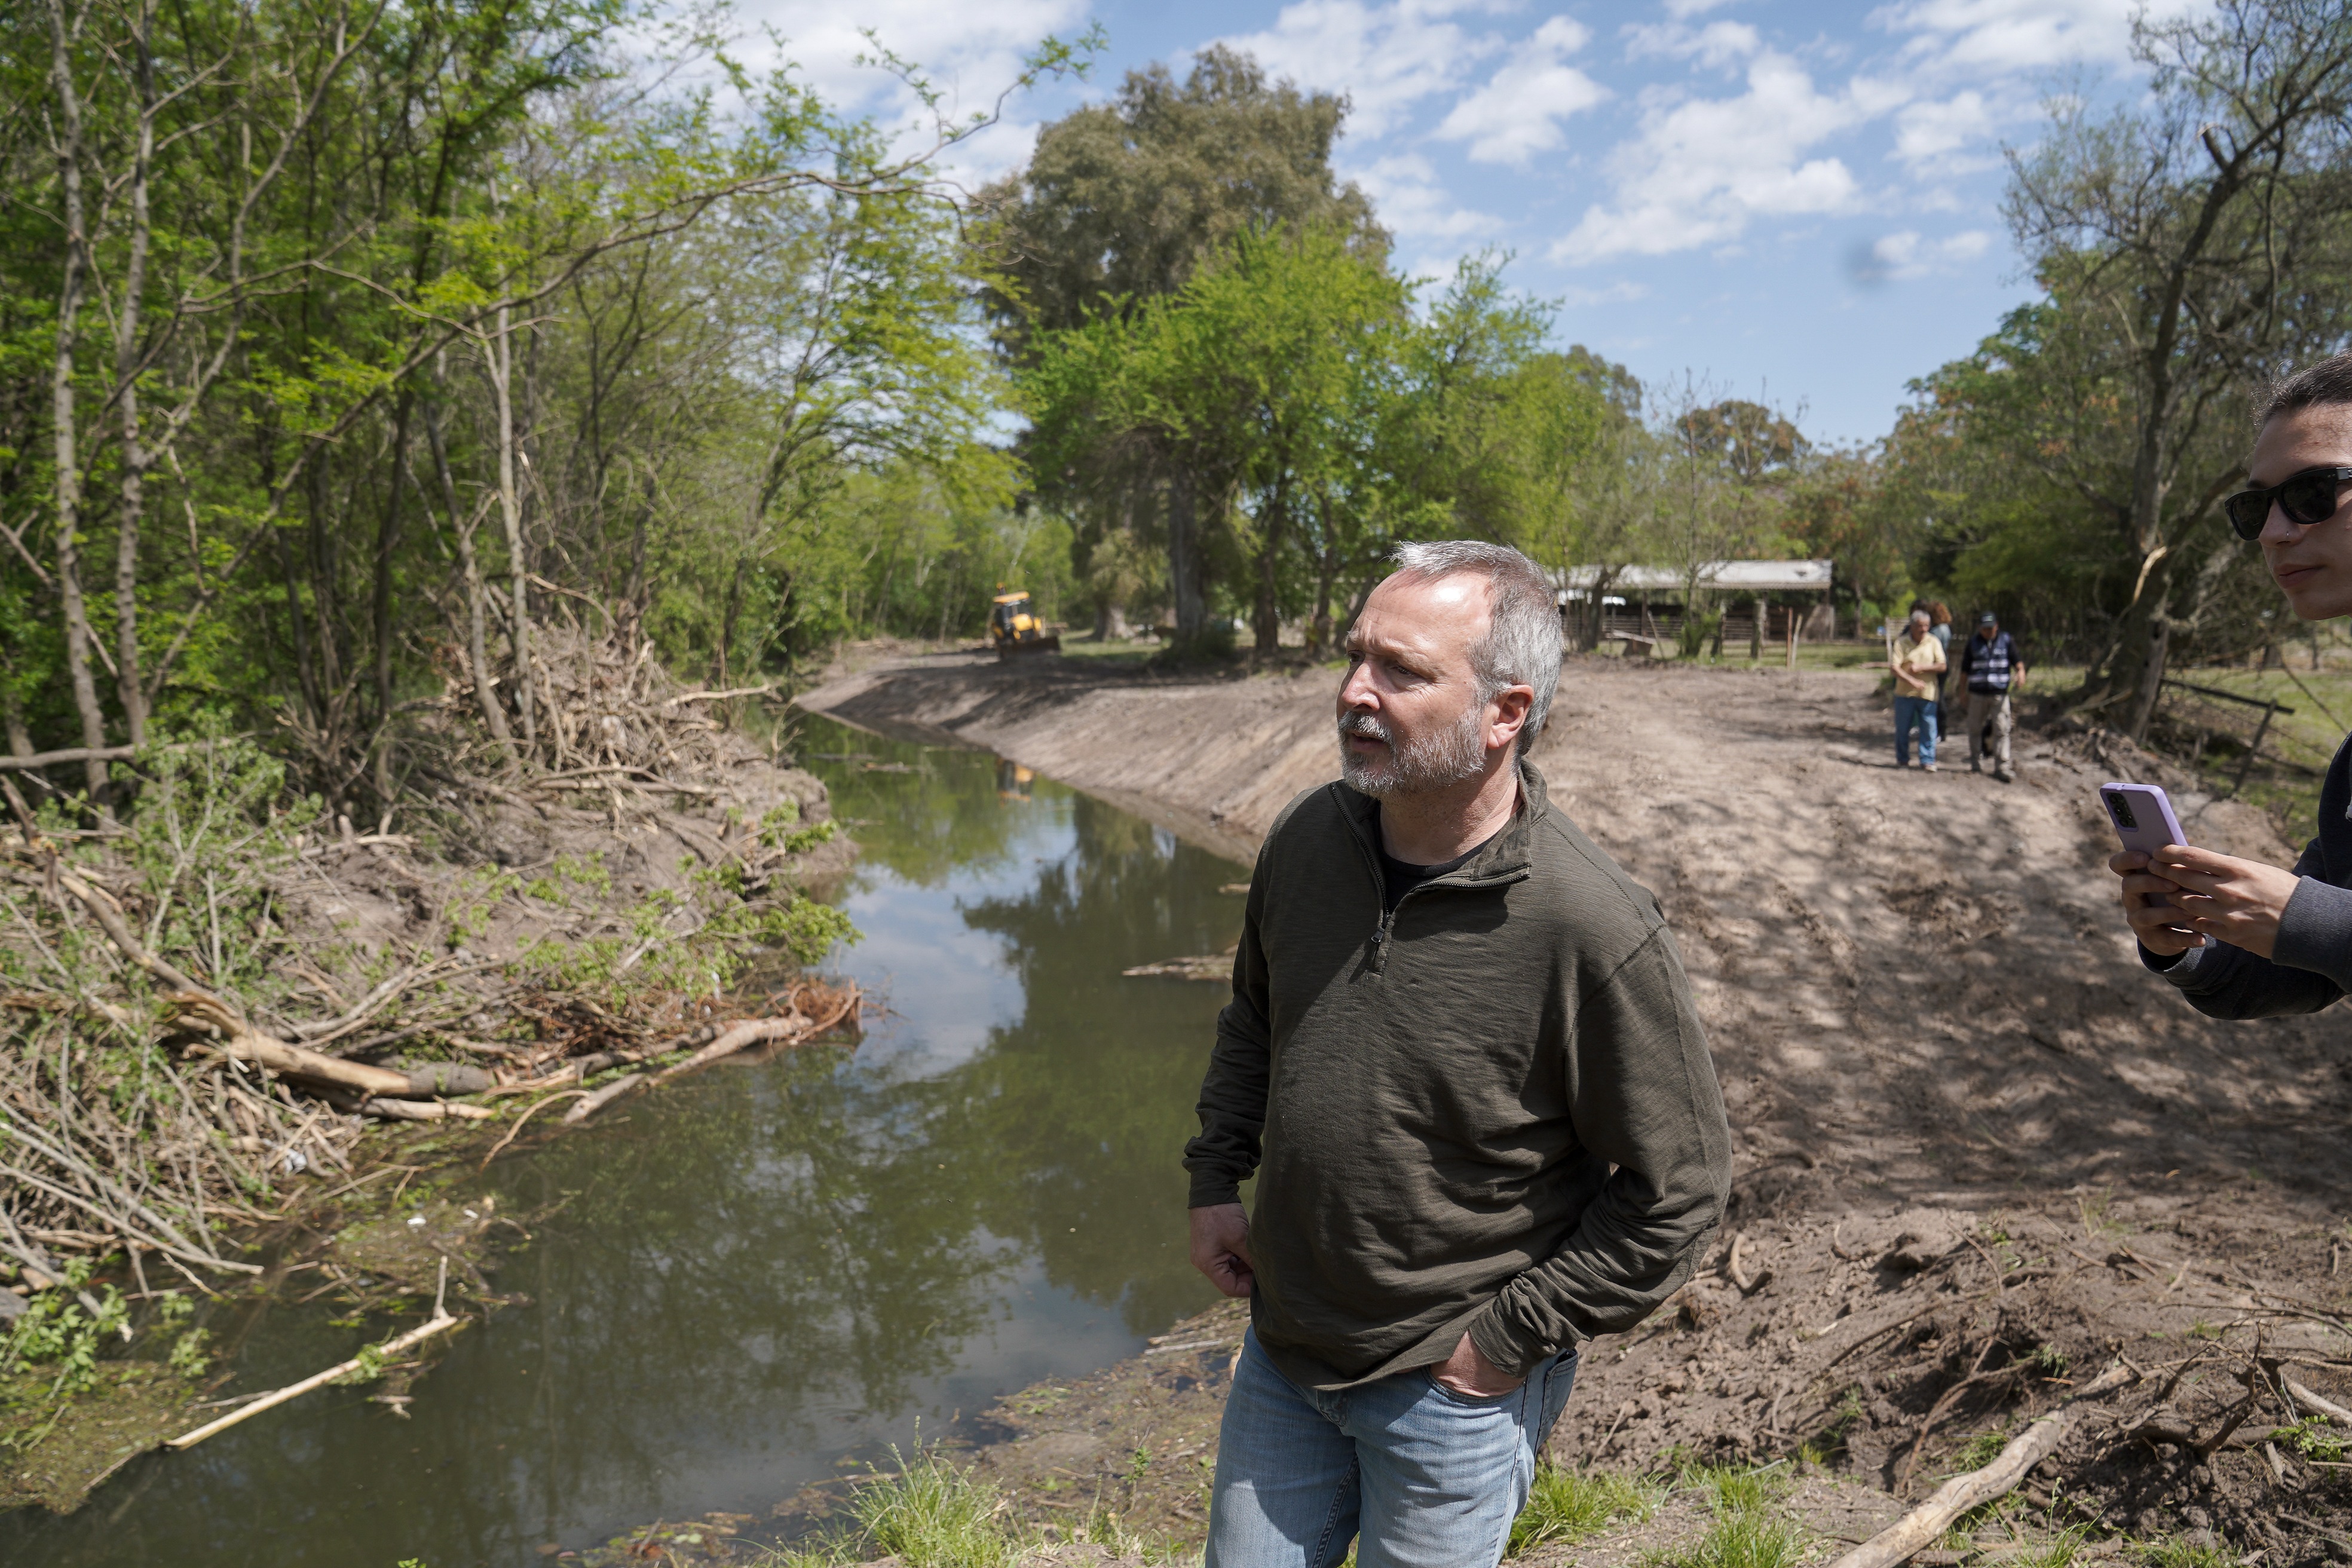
x: 1797, y: 203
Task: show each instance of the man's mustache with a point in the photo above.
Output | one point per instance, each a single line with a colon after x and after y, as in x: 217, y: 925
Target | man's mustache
x: 1367, y: 726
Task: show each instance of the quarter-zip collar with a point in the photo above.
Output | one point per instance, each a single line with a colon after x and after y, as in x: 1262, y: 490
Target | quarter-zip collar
x: 1500, y: 861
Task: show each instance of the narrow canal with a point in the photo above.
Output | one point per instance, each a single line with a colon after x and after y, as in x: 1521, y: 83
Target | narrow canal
x: 760, y: 1272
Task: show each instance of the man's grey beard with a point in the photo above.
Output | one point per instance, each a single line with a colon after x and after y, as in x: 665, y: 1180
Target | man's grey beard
x: 1435, y: 762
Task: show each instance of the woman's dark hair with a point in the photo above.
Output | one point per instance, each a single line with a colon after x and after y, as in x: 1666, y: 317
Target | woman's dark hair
x: 2328, y: 382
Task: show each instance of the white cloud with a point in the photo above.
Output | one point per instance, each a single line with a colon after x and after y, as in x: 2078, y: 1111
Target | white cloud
x: 1517, y: 113
x: 972, y: 53
x: 1700, y: 169
x: 1678, y: 9
x: 1939, y: 134
x: 1715, y: 46
x: 1386, y: 59
x: 2012, y: 35
x: 1414, y: 201
x: 1902, y: 256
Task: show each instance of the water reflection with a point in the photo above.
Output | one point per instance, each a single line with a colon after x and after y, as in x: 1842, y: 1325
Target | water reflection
x: 741, y: 1278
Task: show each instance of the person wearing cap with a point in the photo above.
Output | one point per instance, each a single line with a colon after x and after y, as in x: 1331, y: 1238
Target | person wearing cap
x: 1993, y: 667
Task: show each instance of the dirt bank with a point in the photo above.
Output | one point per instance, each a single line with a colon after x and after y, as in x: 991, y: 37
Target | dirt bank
x: 1979, y: 1153
x: 1213, y: 758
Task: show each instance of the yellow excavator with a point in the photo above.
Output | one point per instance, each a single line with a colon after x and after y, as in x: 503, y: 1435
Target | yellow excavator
x: 1015, y: 627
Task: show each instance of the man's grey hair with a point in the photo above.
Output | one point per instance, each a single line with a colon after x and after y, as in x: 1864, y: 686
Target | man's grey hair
x: 1521, y: 647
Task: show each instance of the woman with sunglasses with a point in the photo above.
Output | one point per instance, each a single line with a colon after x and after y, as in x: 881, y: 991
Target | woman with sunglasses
x: 2239, y: 938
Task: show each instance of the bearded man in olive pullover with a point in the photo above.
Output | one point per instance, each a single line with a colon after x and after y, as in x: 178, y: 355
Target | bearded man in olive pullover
x: 1462, y: 1062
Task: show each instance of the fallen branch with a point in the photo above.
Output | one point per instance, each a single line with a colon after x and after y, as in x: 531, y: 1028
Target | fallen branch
x: 1925, y: 1525
x: 425, y: 1110
x: 441, y: 1322
x: 2315, y: 1404
x: 516, y: 1130
x: 240, y: 1041
x: 109, y: 915
x: 590, y: 1104
x: 718, y: 696
x: 750, y: 1032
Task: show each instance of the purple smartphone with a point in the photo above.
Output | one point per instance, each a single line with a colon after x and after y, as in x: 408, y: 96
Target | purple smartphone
x: 2143, y: 821
x: 2143, y: 817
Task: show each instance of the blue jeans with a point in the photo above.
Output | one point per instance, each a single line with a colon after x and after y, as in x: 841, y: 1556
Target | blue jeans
x: 1432, y: 1478
x: 1909, y: 711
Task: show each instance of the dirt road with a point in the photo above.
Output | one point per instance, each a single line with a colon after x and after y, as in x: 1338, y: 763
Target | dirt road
x: 1959, y: 1105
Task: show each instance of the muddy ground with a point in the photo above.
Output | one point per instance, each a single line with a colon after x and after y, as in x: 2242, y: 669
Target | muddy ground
x: 1979, y: 1153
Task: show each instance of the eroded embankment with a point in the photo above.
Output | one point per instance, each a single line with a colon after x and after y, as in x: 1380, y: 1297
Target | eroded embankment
x: 1979, y: 1153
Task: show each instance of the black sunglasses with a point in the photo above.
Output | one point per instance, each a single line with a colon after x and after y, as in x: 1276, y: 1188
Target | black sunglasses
x: 2306, y: 497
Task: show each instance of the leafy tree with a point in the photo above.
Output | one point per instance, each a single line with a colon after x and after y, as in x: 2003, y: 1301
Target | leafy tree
x: 2190, y: 247
x: 1122, y: 204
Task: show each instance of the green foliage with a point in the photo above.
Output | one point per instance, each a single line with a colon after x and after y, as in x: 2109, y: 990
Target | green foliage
x: 2063, y: 1550
x: 1731, y: 1489
x: 475, y: 901
x: 1318, y: 418
x: 55, y: 1330
x: 2315, y: 1438
x: 370, y: 1367
x: 2179, y: 1551
x: 1565, y: 1506
x: 1747, y: 1531
x: 188, y: 1357
x: 1699, y: 631
x: 932, y: 1515
x: 1981, y: 1450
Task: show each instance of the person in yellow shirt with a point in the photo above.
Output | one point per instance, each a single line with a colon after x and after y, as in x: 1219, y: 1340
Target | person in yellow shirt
x: 1917, y: 660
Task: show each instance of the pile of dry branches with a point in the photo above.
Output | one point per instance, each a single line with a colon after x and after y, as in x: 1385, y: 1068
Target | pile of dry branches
x: 185, y: 1025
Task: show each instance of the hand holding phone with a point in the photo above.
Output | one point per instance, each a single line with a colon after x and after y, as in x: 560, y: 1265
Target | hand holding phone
x: 2190, y: 897
x: 2145, y: 823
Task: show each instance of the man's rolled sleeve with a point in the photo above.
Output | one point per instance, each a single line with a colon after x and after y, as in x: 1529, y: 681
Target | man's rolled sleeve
x: 1644, y: 1098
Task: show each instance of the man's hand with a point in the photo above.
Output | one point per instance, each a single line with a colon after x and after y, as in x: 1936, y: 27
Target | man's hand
x: 1465, y: 1372
x: 2237, y: 901
x: 1220, y: 1248
x: 2161, y: 927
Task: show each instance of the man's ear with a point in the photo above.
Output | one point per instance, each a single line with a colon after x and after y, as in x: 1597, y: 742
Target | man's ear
x: 1509, y: 708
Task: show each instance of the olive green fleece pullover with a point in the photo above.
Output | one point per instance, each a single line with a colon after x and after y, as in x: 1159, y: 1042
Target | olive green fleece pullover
x: 1492, y: 1112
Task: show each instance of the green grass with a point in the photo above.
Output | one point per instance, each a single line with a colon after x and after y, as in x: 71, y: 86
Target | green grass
x: 933, y: 1514
x: 2176, y: 1552
x: 928, y: 1515
x: 2059, y: 1552
x: 1730, y: 1490
x: 1568, y: 1505
x: 1749, y: 1531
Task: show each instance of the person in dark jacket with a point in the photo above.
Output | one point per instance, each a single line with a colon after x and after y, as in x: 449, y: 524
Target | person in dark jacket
x: 1462, y: 1062
x: 1992, y: 666
x: 2239, y: 938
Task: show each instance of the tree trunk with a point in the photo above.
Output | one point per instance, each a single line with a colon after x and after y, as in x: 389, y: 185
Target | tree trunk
x: 477, y: 653
x: 62, y: 400
x: 1265, y: 621
x: 1186, y: 589
x: 727, y: 622
x: 387, y: 544
x: 297, y: 628
x: 510, y: 506
x: 2150, y: 686
x: 135, y: 457
x: 1327, y: 574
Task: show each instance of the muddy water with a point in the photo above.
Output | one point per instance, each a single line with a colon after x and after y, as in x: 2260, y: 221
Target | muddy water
x: 765, y: 1270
